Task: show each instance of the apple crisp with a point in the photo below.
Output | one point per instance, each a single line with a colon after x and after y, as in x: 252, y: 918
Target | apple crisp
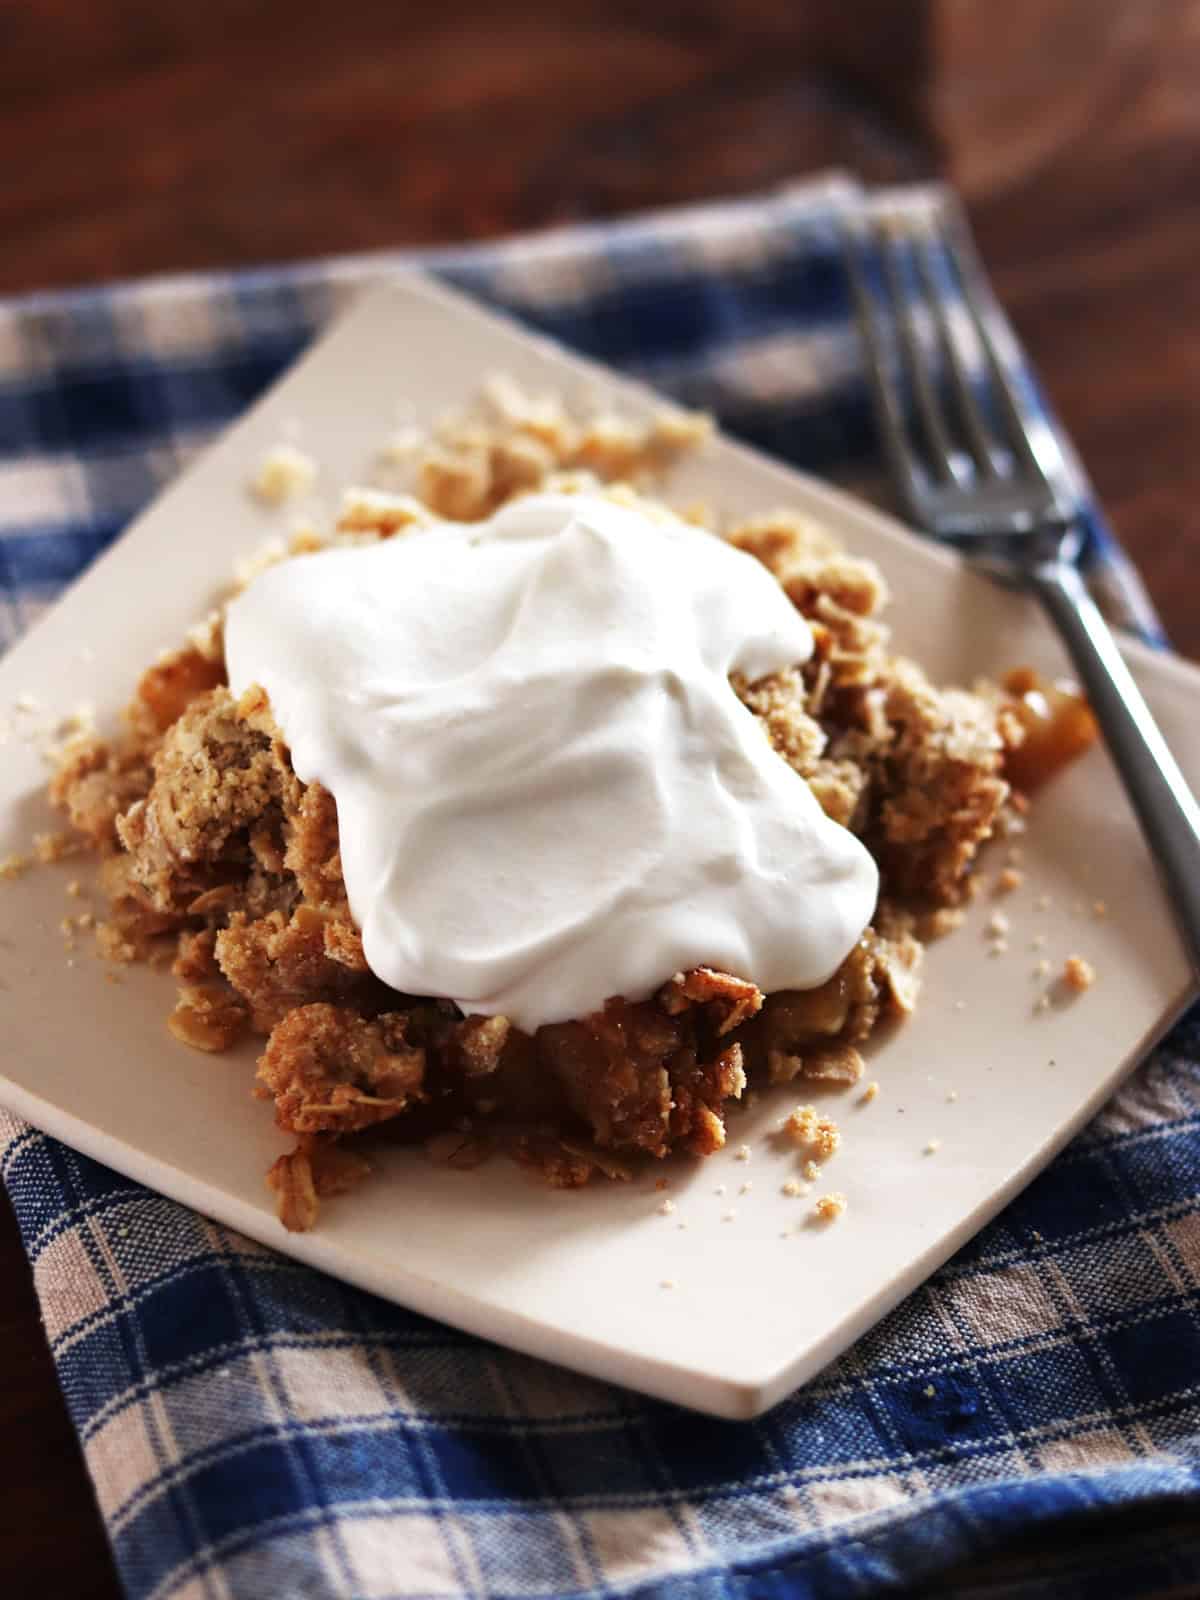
x: 217, y: 858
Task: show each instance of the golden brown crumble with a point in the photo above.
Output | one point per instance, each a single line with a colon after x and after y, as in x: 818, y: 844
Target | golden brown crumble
x: 813, y: 1132
x: 829, y: 1207
x: 1078, y: 974
x: 216, y: 857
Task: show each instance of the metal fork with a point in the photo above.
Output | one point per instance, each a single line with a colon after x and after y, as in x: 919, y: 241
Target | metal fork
x: 977, y: 466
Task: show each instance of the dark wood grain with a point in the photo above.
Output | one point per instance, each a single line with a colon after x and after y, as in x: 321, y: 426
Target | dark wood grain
x: 51, y: 1539
x: 148, y: 135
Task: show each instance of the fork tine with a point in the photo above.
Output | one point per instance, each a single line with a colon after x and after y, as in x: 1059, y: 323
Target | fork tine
x: 906, y: 472
x: 974, y: 419
x: 943, y: 456
x: 976, y: 300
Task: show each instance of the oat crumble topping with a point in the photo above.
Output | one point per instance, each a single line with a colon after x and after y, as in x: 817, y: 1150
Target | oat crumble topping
x: 213, y: 852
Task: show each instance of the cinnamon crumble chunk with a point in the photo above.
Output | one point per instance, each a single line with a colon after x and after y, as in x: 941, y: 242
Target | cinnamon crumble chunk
x: 215, y: 857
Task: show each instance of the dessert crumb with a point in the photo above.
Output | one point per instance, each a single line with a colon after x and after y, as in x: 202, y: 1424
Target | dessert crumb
x: 14, y: 866
x: 997, y: 925
x: 952, y: 1095
x: 745, y: 1188
x: 811, y: 1171
x: 998, y: 947
x: 932, y: 1147
x: 1099, y: 910
x: 1009, y: 880
x: 1042, y: 968
x: 742, y: 1153
x: 1078, y: 974
x: 283, y: 473
x: 666, y: 1207
x: 829, y: 1207
x: 869, y: 1093
x: 791, y: 1189
x: 807, y: 1127
x: 75, y: 888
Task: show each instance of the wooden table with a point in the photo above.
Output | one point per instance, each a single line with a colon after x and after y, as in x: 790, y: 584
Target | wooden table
x: 146, y: 135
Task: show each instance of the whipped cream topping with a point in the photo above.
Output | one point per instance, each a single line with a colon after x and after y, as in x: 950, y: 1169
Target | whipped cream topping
x: 547, y: 791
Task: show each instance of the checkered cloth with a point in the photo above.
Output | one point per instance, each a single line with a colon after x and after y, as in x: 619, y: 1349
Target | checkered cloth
x: 256, y: 1430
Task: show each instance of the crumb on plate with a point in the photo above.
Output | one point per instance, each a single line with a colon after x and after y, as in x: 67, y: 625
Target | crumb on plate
x: 807, y: 1128
x: 283, y: 474
x: 829, y: 1207
x: 1078, y: 974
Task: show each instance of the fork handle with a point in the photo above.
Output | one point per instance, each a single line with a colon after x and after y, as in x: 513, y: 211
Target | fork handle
x: 1158, y: 791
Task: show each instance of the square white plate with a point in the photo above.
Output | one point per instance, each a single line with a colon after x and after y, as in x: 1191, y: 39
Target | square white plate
x: 578, y: 1278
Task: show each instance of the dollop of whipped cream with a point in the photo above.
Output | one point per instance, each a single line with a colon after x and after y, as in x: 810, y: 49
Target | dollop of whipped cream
x: 547, y: 791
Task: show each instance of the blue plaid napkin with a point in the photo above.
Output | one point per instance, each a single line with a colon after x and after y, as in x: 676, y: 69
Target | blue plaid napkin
x: 1028, y: 1423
